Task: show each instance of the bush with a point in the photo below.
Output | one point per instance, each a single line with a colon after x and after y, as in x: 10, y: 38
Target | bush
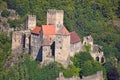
x: 12, y: 23
x: 71, y: 71
x: 5, y: 13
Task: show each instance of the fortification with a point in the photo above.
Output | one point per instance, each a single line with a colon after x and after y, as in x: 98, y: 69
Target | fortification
x: 31, y: 22
x: 55, y: 17
x: 17, y: 42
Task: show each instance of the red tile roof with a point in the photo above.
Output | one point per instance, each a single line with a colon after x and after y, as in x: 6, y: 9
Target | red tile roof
x: 63, y: 31
x: 36, y: 30
x: 48, y: 29
x: 46, y: 41
x: 74, y: 38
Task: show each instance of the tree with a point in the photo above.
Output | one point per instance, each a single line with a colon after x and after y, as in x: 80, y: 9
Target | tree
x: 80, y: 58
x: 113, y: 74
x: 5, y: 13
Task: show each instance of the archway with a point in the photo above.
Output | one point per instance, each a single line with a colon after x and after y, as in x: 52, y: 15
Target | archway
x: 97, y: 58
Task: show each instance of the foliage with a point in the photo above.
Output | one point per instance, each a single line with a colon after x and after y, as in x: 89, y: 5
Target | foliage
x: 5, y: 13
x: 91, y: 67
x: 3, y: 5
x: 30, y: 70
x: 5, y: 48
x: 86, y: 17
x: 81, y: 58
x: 71, y: 71
x: 113, y: 74
x: 88, y: 66
x: 87, y: 48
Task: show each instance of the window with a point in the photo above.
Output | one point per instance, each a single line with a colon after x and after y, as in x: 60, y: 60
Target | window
x: 60, y: 47
x: 59, y: 41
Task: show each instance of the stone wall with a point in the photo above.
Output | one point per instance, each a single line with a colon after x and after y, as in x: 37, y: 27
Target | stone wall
x: 31, y: 22
x: 62, y: 49
x: 55, y: 17
x: 35, y: 45
x: 17, y: 42
x: 97, y: 76
x: 74, y: 48
x: 47, y: 55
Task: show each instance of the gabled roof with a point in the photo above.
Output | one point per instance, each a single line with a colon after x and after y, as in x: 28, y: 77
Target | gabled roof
x: 36, y: 30
x: 63, y: 31
x: 46, y: 41
x: 74, y: 38
x: 48, y: 29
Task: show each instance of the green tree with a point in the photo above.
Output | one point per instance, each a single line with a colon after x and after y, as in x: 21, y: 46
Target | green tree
x: 80, y: 58
x: 5, y: 13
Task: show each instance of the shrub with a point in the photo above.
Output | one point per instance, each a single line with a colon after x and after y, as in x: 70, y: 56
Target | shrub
x: 5, y: 13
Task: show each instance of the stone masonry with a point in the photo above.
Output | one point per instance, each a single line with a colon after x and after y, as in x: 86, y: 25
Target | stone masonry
x: 51, y: 42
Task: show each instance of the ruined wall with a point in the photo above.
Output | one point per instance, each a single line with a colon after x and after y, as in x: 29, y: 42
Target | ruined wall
x: 31, y: 22
x: 35, y: 45
x: 88, y: 40
x: 97, y: 76
x: 62, y: 49
x: 27, y: 39
x: 17, y: 42
x: 74, y: 48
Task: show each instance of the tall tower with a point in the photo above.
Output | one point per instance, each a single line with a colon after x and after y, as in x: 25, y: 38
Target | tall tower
x: 31, y: 22
x: 55, y: 17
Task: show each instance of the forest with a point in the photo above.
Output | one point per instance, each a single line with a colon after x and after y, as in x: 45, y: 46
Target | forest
x: 86, y: 17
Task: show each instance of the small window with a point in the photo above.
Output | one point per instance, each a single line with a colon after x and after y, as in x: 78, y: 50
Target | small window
x: 60, y: 47
x: 59, y: 41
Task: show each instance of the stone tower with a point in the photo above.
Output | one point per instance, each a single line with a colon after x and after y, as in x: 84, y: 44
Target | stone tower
x: 17, y: 42
x: 62, y: 47
x: 31, y: 22
x: 55, y: 17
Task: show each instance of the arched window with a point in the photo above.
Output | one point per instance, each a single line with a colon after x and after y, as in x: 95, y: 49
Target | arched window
x: 102, y: 60
x: 97, y: 58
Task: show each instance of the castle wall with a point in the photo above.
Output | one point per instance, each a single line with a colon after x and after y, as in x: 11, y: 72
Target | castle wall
x: 27, y: 39
x: 74, y: 48
x: 35, y: 45
x: 97, y: 76
x: 17, y: 44
x: 31, y: 22
x: 62, y: 49
x: 88, y: 40
x: 47, y: 54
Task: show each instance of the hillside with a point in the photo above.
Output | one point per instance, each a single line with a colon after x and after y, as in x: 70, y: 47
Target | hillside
x: 98, y: 18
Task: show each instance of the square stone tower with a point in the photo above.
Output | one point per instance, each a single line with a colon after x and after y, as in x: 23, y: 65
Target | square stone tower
x: 31, y: 22
x: 55, y: 17
x: 17, y: 42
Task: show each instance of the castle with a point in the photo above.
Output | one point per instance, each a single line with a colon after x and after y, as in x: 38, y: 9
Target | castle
x: 50, y: 42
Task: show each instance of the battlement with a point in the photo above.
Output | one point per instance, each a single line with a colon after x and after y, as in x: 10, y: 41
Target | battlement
x: 54, y: 11
x: 31, y: 16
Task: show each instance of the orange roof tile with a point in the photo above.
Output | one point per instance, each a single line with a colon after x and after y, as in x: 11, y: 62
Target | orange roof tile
x: 36, y: 30
x: 63, y: 31
x: 74, y: 37
x: 48, y: 29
